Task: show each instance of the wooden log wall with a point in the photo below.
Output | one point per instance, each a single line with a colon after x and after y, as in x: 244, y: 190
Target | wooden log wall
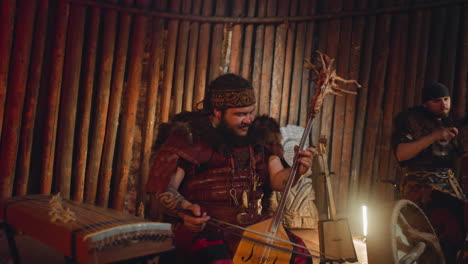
x: 85, y: 83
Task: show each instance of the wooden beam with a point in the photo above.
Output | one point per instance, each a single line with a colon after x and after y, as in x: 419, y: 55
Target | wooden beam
x: 216, y: 53
x: 7, y: 23
x: 412, y: 58
x: 69, y: 100
x: 438, y: 28
x: 258, y: 52
x: 236, y: 40
x: 55, y: 83
x: 450, y: 47
x: 189, y: 87
x: 423, y: 55
x: 267, y: 63
x: 16, y: 94
x: 351, y: 110
x: 307, y: 84
x: 278, y: 65
x: 154, y: 65
x: 115, y: 102
x: 298, y: 67
x: 171, y: 45
x: 246, y: 70
x: 202, y: 58
x: 374, y: 112
x: 181, y: 58
x: 32, y: 97
x: 461, y: 93
x: 89, y: 71
x: 101, y: 105
x: 288, y: 66
x: 130, y: 108
x: 362, y: 103
x: 340, y: 129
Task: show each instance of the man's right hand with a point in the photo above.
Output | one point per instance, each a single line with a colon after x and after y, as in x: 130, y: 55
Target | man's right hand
x: 194, y: 219
x: 446, y: 133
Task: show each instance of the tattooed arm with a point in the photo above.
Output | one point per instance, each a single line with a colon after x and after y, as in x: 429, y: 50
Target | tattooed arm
x: 174, y: 204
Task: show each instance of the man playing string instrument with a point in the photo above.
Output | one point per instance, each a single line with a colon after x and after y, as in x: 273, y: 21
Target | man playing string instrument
x: 213, y: 164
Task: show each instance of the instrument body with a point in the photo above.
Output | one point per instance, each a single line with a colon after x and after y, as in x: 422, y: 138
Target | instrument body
x: 253, y: 253
x: 99, y: 235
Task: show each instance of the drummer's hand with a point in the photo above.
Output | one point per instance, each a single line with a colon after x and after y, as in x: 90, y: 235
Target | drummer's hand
x: 194, y: 219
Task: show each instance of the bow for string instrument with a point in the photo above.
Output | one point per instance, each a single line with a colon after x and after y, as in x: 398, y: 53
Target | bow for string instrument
x: 267, y: 241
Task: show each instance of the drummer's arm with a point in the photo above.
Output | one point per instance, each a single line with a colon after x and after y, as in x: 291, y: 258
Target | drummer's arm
x: 173, y: 203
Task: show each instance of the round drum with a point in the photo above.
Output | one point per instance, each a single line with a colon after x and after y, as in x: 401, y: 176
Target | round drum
x: 401, y: 233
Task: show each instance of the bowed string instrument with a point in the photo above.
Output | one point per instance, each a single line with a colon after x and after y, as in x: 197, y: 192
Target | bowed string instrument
x: 267, y: 241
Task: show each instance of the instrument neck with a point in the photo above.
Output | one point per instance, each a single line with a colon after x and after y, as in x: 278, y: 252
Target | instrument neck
x: 331, y: 199
x: 292, y: 176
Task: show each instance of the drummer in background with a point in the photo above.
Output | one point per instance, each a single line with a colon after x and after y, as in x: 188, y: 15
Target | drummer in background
x: 426, y: 144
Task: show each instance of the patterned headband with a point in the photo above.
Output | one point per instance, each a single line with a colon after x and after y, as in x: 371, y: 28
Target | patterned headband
x: 232, y: 98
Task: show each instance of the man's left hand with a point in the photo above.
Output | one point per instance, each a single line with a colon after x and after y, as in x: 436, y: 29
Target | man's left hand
x: 305, y: 159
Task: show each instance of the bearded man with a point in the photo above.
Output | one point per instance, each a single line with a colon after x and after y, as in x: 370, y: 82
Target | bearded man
x: 426, y: 145
x: 211, y: 164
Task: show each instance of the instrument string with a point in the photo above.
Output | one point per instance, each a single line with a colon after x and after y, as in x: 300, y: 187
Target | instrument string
x: 221, y: 224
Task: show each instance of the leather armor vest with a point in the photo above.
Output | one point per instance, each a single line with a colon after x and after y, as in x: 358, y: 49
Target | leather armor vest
x: 229, y: 185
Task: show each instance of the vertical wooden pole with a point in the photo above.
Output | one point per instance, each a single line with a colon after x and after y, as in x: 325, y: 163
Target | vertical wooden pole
x: 118, y: 74
x: 55, y: 83
x: 7, y: 20
x: 68, y: 105
x: 449, y: 50
x: 333, y: 37
x: 393, y: 166
x: 423, y: 55
x: 298, y: 67
x: 351, y: 106
x: 89, y: 67
x: 217, y: 42
x: 236, y: 41
x: 192, y: 59
x: 321, y: 46
x: 412, y: 59
x: 438, y: 28
x: 16, y: 95
x: 32, y: 96
x: 181, y: 58
x: 203, y: 51
x: 169, y: 64
x: 288, y: 66
x: 154, y: 65
x: 258, y: 53
x: 101, y: 105
x: 393, y: 84
x: 374, y: 113
x: 306, y: 75
x: 130, y: 108
x: 461, y: 93
x: 362, y: 102
x: 278, y: 65
x: 340, y: 111
x: 246, y: 70
x: 267, y: 64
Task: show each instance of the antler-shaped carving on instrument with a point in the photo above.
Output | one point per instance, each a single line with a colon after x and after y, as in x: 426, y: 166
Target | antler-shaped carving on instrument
x: 326, y: 82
